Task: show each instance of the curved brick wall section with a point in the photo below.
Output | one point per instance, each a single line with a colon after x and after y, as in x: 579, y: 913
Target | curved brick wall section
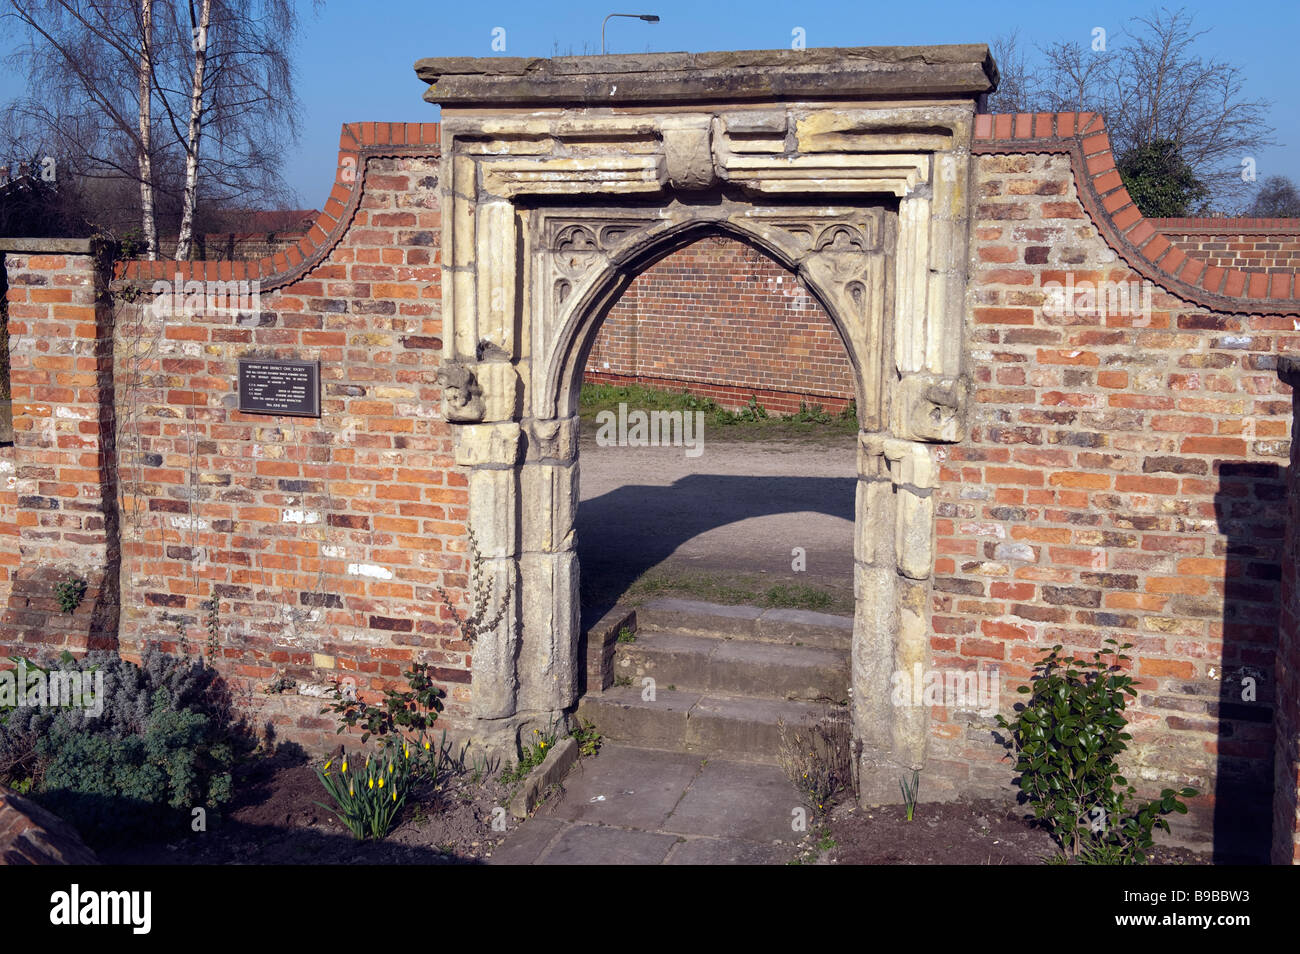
x: 323, y: 540
x: 1137, y: 240
x: 1249, y: 244
x: 721, y: 319
x: 29, y: 835
x: 1123, y: 476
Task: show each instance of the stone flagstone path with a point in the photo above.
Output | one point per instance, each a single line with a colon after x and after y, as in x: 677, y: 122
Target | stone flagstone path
x: 645, y: 806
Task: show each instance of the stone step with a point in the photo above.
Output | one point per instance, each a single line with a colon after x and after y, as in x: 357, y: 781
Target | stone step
x: 734, y: 666
x: 711, y: 724
x: 755, y: 623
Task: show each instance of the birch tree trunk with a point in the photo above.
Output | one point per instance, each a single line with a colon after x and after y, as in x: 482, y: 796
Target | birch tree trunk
x: 144, y: 78
x: 194, y: 134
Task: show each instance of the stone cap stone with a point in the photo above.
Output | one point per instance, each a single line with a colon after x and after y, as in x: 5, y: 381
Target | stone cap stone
x: 825, y: 73
x: 49, y: 246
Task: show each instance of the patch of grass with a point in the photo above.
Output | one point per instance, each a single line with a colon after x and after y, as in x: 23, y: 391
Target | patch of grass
x: 751, y: 422
x: 797, y: 596
x: 626, y: 635
x: 727, y: 589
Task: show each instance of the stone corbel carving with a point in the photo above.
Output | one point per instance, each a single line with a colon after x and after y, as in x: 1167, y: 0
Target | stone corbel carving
x: 462, y: 395
x: 688, y: 152
x: 931, y: 408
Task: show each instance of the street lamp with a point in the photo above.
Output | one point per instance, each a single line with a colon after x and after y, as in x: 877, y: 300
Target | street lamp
x: 647, y: 17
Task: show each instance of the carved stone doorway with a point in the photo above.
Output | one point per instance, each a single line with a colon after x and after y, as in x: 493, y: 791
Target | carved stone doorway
x: 562, y: 179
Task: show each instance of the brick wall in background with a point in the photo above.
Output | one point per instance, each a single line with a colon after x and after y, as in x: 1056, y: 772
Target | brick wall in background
x: 1251, y: 244
x: 723, y: 320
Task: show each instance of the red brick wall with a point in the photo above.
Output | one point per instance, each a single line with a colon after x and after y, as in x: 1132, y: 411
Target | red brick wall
x: 1252, y: 244
x: 721, y: 319
x: 1123, y: 477
x: 323, y: 539
x: 56, y: 509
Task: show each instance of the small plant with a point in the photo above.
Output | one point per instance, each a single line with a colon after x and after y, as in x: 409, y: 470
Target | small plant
x: 159, y: 740
x: 625, y: 635
x: 478, y: 620
x: 212, y: 622
x: 909, y: 790
x: 588, y: 739
x: 531, y: 755
x: 281, y: 683
x: 414, y: 709
x: 622, y: 682
x: 70, y: 593
x: 368, y: 797
x: 1068, y: 738
x: 817, y: 758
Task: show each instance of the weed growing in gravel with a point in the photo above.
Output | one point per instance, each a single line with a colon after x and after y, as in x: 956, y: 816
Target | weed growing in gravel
x: 817, y: 757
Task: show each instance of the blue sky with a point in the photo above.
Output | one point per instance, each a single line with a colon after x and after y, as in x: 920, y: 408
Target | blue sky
x: 354, y: 59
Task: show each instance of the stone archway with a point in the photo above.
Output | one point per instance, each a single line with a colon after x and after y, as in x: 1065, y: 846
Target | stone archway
x: 562, y: 178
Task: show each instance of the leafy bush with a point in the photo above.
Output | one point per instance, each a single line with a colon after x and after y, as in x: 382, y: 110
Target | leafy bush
x: 164, y: 741
x: 1068, y: 738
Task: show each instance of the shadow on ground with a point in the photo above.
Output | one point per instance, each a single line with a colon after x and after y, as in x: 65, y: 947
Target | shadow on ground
x: 627, y: 531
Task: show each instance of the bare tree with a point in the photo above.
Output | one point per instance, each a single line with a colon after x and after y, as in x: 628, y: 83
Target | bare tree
x: 1154, y: 87
x: 1164, y: 91
x: 1278, y: 197
x: 1018, y: 82
x: 193, y: 100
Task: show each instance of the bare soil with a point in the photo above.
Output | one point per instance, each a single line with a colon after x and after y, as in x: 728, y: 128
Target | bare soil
x: 965, y: 832
x: 276, y: 819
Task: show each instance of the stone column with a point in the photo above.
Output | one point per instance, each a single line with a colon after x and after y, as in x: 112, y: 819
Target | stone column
x: 491, y: 451
x: 893, y: 562
x: 548, y: 661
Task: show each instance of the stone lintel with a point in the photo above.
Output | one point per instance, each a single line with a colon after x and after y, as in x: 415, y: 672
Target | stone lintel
x: 828, y: 73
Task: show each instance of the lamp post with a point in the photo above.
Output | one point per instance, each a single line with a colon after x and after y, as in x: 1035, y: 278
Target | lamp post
x: 647, y: 17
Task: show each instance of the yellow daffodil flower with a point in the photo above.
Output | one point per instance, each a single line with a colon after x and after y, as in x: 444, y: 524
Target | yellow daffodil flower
x: 381, y: 781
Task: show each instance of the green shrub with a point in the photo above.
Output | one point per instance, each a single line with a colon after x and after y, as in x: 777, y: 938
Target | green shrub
x: 1068, y: 738
x: 164, y: 742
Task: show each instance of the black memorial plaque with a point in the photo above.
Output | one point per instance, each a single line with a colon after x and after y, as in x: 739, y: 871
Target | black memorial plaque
x: 279, y: 387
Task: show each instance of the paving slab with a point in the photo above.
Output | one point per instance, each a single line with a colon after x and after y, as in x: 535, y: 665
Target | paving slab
x: 728, y: 851
x: 525, y: 843
x: 626, y: 787
x: 603, y: 845
x: 740, y: 800
x: 632, y: 805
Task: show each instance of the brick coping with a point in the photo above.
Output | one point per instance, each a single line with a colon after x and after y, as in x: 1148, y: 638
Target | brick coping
x: 1227, y: 225
x: 357, y: 142
x: 1138, y: 240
